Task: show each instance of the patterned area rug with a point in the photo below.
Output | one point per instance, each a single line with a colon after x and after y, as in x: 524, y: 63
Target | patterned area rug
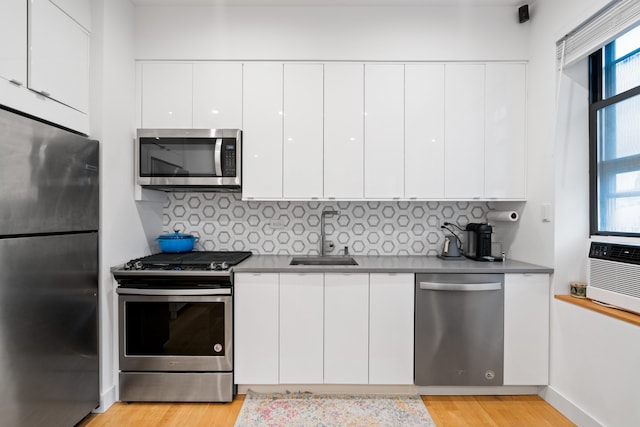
x: 328, y: 410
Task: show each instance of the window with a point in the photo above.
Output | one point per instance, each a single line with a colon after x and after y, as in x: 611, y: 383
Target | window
x: 614, y: 133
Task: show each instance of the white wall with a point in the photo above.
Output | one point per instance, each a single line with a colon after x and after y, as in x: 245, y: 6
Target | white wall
x: 571, y: 244
x: 594, y: 359
x: 595, y: 368
x: 330, y: 33
x: 123, y: 222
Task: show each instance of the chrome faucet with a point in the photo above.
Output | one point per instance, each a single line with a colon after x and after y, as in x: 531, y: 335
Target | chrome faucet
x: 322, y: 235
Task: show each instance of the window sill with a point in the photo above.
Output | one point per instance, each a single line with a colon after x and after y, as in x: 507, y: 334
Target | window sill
x: 611, y: 312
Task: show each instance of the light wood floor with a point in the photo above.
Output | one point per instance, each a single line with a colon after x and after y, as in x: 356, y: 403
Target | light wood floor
x: 446, y: 411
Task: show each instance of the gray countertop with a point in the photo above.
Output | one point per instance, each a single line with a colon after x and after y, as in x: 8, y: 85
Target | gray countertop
x: 387, y: 264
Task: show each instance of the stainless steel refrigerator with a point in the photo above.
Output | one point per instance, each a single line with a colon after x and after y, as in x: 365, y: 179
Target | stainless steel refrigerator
x: 49, y: 214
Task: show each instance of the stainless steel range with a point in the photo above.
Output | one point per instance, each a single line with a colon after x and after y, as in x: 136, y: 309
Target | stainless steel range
x: 175, y: 327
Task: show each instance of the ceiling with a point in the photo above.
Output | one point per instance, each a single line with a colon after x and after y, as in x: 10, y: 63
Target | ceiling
x: 395, y: 3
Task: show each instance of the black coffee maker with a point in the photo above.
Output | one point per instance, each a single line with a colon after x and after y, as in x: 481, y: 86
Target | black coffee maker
x: 478, y: 241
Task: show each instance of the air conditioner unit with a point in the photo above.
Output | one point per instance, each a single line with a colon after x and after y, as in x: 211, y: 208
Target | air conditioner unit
x: 614, y: 275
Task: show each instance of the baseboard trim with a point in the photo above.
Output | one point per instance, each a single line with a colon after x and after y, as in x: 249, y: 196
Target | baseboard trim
x: 386, y: 389
x: 567, y: 408
x: 477, y: 391
x: 107, y: 399
x: 328, y: 388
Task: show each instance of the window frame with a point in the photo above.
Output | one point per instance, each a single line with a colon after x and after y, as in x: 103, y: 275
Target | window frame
x: 597, y: 102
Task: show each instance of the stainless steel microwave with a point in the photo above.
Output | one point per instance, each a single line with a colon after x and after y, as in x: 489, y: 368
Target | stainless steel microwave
x: 189, y: 159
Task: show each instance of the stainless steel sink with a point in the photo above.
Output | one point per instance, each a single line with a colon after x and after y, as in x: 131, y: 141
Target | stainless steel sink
x: 323, y: 260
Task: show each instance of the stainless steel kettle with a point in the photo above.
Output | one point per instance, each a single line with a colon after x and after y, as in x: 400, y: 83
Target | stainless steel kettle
x: 450, y: 247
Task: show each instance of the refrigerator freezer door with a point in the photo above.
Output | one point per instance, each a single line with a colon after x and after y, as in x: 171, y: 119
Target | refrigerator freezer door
x: 48, y: 329
x: 48, y: 178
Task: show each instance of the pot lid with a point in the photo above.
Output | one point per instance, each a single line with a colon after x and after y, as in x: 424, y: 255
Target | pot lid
x: 175, y: 236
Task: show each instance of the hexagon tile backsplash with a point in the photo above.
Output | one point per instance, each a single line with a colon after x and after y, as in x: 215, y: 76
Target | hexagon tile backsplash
x: 223, y: 221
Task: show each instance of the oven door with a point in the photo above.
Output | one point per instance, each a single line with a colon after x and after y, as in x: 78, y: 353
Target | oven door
x: 182, y: 333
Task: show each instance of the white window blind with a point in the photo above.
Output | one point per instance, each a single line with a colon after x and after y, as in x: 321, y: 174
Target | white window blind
x: 603, y: 27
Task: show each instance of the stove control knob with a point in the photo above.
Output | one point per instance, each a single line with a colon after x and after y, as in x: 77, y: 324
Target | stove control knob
x: 137, y: 265
x: 224, y: 266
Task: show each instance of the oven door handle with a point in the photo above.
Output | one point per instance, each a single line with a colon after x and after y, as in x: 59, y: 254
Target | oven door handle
x: 172, y: 292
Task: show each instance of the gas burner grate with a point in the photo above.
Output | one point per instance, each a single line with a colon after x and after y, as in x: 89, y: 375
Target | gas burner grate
x: 192, y: 260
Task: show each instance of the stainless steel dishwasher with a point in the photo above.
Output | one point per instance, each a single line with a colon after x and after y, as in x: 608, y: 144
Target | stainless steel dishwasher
x: 459, y: 335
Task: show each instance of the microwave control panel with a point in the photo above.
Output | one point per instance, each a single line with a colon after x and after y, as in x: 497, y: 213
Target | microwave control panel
x: 229, y: 157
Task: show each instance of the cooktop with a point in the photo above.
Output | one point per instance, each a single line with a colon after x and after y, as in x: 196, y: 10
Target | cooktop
x: 195, y: 260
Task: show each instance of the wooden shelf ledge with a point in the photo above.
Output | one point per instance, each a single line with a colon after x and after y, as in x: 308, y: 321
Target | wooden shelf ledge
x: 608, y: 311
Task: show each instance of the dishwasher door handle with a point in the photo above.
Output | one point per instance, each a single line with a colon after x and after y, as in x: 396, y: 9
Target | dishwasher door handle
x: 465, y: 287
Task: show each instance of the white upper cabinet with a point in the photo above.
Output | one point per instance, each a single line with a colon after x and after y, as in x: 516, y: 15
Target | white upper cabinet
x: 303, y: 137
x: 167, y: 95
x: 346, y: 327
x: 505, y: 172
x: 344, y: 131
x: 384, y: 131
x: 262, y: 131
x: 13, y: 41
x: 217, y: 95
x: 177, y: 95
x: 424, y: 131
x: 354, y: 131
x: 79, y: 10
x: 58, y: 56
x: 44, y: 62
x: 464, y: 130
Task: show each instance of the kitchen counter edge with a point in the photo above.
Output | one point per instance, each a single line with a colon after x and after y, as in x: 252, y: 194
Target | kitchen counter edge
x: 387, y: 264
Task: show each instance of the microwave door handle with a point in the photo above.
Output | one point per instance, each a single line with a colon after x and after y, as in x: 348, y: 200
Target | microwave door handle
x: 218, y: 157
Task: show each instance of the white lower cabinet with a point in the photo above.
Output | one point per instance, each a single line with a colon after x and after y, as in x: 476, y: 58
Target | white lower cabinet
x: 256, y: 307
x: 346, y: 325
x: 301, y: 328
x: 319, y: 328
x: 357, y: 328
x: 526, y: 329
x: 391, y: 302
